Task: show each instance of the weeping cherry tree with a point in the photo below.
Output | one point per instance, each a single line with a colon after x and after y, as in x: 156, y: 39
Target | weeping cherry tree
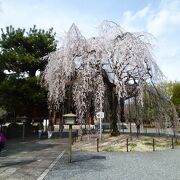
x: 116, y: 61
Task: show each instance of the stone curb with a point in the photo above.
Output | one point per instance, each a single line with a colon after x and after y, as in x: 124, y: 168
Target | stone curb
x: 42, y: 176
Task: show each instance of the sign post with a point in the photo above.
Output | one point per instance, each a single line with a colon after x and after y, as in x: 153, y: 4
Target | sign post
x: 100, y: 116
x: 70, y: 119
x: 70, y: 144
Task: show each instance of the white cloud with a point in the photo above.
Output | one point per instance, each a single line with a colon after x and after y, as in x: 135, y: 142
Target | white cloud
x: 162, y: 20
x: 45, y: 15
x: 164, y: 23
x: 134, y: 22
x: 166, y: 19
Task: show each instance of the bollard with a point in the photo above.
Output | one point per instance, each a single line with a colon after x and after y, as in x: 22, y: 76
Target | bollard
x: 127, y: 144
x: 172, y: 142
x: 153, y: 144
x: 97, y: 144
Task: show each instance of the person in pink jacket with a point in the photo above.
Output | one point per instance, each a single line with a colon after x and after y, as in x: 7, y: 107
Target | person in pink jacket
x: 2, y: 141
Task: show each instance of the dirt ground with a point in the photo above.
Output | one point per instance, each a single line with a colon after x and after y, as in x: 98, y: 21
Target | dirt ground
x: 119, y: 143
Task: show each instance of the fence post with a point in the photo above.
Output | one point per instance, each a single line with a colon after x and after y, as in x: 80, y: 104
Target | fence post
x: 127, y: 144
x: 77, y: 134
x: 97, y: 144
x: 153, y: 144
x: 172, y: 143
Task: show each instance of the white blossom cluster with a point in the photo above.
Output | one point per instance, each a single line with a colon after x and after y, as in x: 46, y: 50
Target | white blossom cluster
x: 125, y: 57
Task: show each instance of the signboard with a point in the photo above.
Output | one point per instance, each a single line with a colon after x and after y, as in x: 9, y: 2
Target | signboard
x: 69, y: 119
x: 100, y: 114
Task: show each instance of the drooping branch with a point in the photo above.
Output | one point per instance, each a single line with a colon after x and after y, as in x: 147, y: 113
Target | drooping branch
x: 125, y: 57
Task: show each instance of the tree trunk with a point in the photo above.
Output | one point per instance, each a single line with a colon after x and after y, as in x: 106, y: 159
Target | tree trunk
x: 113, y: 109
x: 111, y: 101
x: 122, y: 117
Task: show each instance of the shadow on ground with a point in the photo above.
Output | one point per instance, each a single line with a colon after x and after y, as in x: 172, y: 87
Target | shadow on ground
x: 13, y: 147
x: 24, y: 162
x: 87, y: 158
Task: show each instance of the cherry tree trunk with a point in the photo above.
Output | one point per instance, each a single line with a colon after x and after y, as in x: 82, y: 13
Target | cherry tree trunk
x: 110, y: 105
x: 122, y: 117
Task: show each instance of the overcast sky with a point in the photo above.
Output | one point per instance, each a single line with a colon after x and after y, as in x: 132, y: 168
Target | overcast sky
x: 161, y: 18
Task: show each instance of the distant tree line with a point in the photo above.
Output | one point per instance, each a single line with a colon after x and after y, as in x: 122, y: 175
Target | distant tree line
x: 173, y: 90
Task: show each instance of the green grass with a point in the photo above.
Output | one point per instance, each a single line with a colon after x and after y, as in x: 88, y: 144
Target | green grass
x: 177, y: 143
x: 132, y: 145
x: 148, y: 143
x: 162, y: 145
x: 109, y: 149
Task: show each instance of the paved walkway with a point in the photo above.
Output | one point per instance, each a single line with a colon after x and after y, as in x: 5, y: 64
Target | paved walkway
x: 31, y: 159
x: 28, y: 159
x: 159, y: 165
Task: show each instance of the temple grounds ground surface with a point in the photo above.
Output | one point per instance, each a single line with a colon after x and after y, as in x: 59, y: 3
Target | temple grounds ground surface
x: 159, y: 165
x: 28, y: 159
x: 119, y: 143
x: 32, y: 159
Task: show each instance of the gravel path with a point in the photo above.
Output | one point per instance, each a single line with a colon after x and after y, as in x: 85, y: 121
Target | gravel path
x: 159, y: 165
